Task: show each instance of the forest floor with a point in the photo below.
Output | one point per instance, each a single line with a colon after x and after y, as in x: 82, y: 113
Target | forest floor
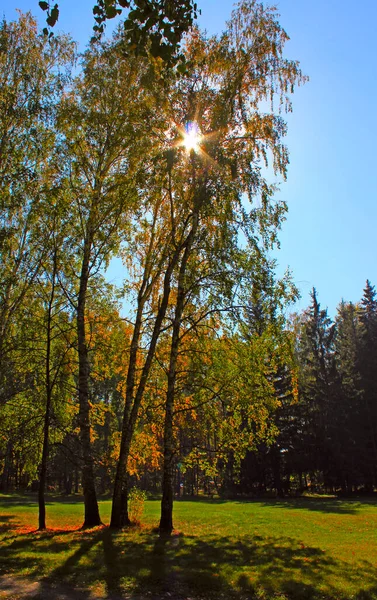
x: 304, y: 548
x: 13, y: 587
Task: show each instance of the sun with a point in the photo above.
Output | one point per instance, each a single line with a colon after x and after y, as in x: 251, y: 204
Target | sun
x: 191, y: 137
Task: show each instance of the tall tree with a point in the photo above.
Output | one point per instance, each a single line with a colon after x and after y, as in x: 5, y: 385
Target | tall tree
x: 32, y: 72
x: 221, y: 96
x: 316, y: 383
x: 367, y: 365
x: 54, y: 349
x: 105, y: 127
x: 268, y: 337
x: 156, y: 251
x: 348, y: 439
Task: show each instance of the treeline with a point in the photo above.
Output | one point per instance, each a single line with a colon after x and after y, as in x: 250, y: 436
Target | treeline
x: 327, y: 437
x: 181, y: 381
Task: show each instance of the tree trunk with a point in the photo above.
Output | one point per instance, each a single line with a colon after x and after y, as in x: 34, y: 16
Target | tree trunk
x: 76, y: 480
x: 166, y: 520
x: 276, y: 466
x: 48, y: 386
x: 119, y: 509
x: 119, y: 512
x: 105, y: 479
x: 43, y: 471
x: 92, y: 517
x: 7, y: 467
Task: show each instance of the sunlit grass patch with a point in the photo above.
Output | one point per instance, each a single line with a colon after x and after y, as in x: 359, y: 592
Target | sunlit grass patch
x: 303, y: 548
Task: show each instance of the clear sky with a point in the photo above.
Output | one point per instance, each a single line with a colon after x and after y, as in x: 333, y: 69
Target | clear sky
x: 330, y: 237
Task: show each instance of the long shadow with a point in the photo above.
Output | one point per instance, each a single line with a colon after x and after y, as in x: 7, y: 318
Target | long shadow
x: 140, y: 564
x: 16, y: 550
x: 347, y: 505
x: 7, y: 523
x: 203, y: 499
x: 325, y: 505
x: 16, y: 499
x: 129, y: 562
x: 31, y: 499
x: 70, y: 499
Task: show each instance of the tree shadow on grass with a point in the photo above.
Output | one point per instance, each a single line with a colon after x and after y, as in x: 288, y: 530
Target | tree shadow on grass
x: 31, y: 499
x: 332, y: 505
x: 7, y: 523
x: 23, y: 551
x: 6, y: 499
x: 324, y: 505
x: 138, y: 563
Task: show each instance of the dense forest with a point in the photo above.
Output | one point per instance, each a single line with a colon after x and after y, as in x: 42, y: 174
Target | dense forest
x: 190, y: 378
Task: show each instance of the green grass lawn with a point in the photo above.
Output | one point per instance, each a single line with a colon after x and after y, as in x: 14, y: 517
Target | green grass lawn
x: 310, y: 548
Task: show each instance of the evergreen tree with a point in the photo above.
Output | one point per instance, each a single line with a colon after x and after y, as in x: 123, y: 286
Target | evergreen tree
x: 367, y: 365
x: 347, y: 439
x: 316, y: 385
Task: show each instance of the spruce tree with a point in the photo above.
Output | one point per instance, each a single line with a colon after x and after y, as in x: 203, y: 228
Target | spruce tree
x: 367, y: 365
x: 347, y: 434
x: 316, y: 385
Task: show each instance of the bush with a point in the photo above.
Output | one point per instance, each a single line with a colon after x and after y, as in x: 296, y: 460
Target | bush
x: 136, y: 500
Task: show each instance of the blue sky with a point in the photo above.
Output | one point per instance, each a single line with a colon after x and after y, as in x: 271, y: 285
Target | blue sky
x: 329, y: 239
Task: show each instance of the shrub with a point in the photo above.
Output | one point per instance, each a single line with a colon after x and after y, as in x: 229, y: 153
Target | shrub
x: 136, y: 500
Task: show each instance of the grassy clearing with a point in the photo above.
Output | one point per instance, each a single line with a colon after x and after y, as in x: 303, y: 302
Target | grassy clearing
x: 302, y: 548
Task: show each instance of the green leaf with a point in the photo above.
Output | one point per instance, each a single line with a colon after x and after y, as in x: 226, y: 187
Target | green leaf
x: 112, y: 12
x: 98, y: 28
x: 150, y: 23
x: 53, y: 17
x: 134, y: 15
x: 43, y: 5
x: 182, y: 68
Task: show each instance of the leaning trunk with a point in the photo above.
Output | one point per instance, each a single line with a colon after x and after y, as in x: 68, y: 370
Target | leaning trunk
x: 119, y: 513
x: 119, y: 510
x: 166, y: 520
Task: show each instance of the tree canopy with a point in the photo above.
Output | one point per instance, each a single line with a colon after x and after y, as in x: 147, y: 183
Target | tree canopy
x: 155, y: 26
x: 187, y: 371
